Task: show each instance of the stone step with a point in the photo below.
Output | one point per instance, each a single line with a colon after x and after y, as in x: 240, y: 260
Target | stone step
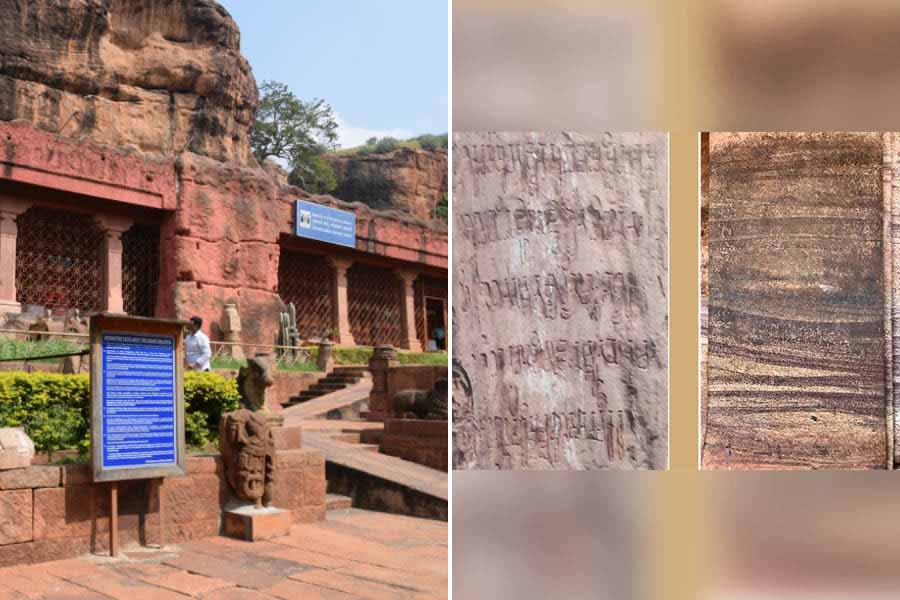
x: 369, y: 447
x: 348, y: 437
x: 337, y: 502
x: 345, y: 379
x: 326, y: 387
x: 350, y: 371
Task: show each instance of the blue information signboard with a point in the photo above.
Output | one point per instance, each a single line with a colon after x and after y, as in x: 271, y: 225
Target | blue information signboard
x: 324, y: 223
x: 139, y: 402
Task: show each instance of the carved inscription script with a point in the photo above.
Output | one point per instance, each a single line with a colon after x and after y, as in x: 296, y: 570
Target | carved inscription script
x: 560, y: 301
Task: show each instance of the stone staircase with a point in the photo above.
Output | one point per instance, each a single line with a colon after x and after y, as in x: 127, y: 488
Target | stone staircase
x: 338, y: 379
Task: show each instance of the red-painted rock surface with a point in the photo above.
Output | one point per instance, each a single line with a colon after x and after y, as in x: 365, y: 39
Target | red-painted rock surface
x: 408, y: 180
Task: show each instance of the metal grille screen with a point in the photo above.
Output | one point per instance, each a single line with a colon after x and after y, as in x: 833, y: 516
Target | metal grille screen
x: 59, y: 260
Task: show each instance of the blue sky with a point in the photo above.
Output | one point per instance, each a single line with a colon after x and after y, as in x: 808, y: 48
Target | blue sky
x: 381, y: 64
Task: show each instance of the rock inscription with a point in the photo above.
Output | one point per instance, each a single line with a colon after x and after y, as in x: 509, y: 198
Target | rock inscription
x: 560, y: 301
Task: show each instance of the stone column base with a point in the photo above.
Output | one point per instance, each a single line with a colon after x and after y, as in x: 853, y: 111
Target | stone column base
x: 9, y: 307
x: 252, y: 524
x: 413, y: 345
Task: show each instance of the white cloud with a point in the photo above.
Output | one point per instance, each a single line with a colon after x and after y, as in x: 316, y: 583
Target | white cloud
x: 350, y: 136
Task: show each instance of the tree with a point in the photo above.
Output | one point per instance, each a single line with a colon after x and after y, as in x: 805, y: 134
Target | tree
x: 295, y: 131
x: 441, y: 210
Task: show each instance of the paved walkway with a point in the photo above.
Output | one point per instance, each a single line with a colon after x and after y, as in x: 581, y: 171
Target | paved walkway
x: 354, y: 554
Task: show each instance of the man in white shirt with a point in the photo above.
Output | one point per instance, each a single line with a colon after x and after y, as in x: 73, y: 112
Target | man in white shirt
x: 196, y: 347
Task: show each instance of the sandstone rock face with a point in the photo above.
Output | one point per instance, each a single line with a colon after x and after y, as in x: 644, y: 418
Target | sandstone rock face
x: 163, y: 76
x: 16, y: 448
x: 796, y: 360
x: 560, y: 301
x: 412, y: 180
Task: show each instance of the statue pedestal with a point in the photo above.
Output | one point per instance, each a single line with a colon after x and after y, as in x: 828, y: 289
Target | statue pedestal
x: 252, y: 524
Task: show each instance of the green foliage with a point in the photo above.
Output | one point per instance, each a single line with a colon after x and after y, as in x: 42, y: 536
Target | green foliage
x: 206, y: 397
x: 12, y: 348
x: 223, y: 362
x: 386, y: 144
x: 360, y: 355
x: 430, y: 141
x: 442, y: 210
x: 295, y: 131
x: 55, y: 409
x: 427, y: 141
x: 319, y: 180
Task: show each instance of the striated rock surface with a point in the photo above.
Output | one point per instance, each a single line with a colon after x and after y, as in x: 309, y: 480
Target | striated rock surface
x: 409, y: 180
x: 163, y: 76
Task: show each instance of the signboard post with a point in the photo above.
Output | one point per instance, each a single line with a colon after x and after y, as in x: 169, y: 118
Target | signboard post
x: 137, y: 402
x: 325, y: 224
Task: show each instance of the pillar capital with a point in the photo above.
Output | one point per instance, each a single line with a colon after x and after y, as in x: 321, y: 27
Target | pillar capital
x: 408, y: 277
x: 11, y: 207
x: 113, y: 225
x: 340, y: 263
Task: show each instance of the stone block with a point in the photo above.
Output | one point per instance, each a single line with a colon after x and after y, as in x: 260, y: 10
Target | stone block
x: 15, y: 517
x: 289, y: 488
x: 16, y: 448
x: 314, y: 486
x: 292, y: 459
x: 202, y: 464
x: 254, y: 524
x: 288, y: 438
x: 30, y: 477
x: 69, y: 512
x: 193, y: 497
x: 76, y: 475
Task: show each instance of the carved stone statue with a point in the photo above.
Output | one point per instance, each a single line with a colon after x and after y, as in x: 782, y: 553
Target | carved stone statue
x: 422, y: 404
x: 245, y: 436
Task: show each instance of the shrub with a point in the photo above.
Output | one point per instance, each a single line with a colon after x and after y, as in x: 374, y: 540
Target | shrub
x: 386, y: 144
x: 430, y: 141
x: 55, y: 409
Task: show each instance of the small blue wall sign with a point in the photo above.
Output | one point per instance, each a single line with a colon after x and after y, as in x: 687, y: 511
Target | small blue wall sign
x: 325, y: 224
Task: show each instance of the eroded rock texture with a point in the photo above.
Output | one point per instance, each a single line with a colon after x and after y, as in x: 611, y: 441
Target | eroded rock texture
x: 408, y: 180
x: 560, y: 301
x: 796, y: 369
x: 164, y: 76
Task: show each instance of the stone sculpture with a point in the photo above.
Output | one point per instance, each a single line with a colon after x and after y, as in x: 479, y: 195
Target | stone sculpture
x: 422, y: 404
x: 246, y: 441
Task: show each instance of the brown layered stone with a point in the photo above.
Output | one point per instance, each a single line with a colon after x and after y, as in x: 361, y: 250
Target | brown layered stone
x: 30, y: 477
x: 160, y: 76
x: 796, y: 361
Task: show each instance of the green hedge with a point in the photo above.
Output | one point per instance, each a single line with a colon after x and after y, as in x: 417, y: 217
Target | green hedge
x: 55, y: 409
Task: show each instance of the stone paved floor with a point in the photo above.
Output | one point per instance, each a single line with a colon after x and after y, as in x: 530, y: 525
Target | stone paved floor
x: 353, y: 554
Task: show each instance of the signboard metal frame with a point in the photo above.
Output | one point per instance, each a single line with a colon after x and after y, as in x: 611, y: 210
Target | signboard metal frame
x: 117, y: 323
x: 316, y: 211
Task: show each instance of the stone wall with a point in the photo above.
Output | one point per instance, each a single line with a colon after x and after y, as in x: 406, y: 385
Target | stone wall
x: 416, y: 440
x: 56, y: 512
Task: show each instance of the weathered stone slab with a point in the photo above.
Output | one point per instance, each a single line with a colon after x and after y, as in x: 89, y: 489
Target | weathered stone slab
x: 796, y: 370
x: 16, y: 448
x: 560, y: 301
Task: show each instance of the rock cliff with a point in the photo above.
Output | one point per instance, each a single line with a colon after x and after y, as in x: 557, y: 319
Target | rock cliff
x: 409, y: 180
x: 164, y: 76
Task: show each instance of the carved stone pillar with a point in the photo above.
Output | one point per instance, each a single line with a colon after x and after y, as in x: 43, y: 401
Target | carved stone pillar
x: 10, y: 209
x: 383, y: 358
x: 340, y: 303
x: 113, y: 228
x: 408, y: 340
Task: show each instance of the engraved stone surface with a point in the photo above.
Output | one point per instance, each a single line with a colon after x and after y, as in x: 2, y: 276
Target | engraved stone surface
x: 560, y: 301
x: 796, y: 366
